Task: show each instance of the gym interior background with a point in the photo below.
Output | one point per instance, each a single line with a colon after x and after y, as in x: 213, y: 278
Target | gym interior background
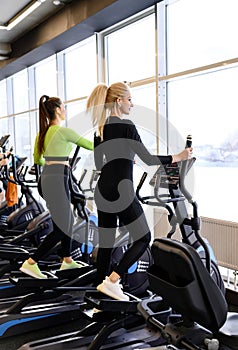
x: 180, y: 57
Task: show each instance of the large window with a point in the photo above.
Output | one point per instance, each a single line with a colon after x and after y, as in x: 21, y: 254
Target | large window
x: 80, y: 69
x: 201, y: 32
x: 46, y: 78
x: 20, y: 91
x: 203, y: 102
x: 22, y: 121
x: 3, y: 94
x: 22, y: 138
x: 130, y: 51
x: 128, y: 59
x: 3, y: 109
x: 201, y: 107
x: 80, y: 79
x: 143, y: 114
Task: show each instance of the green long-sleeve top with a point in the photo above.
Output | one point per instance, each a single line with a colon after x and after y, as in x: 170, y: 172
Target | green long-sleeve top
x: 59, y: 142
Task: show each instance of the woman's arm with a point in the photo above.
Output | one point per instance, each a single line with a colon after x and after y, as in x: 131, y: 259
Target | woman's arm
x: 149, y: 159
x: 74, y: 137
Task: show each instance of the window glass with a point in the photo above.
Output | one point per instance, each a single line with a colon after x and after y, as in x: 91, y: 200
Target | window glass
x: 5, y: 124
x: 143, y: 114
x: 145, y: 117
x: 34, y: 117
x: 81, y: 68
x: 131, y: 51
x: 23, y: 142
x: 74, y: 109
x: 3, y: 94
x: 20, y: 91
x: 46, y: 78
x: 81, y: 122
x: 201, y: 32
x: 4, y: 127
x: 145, y: 96
x: 201, y: 106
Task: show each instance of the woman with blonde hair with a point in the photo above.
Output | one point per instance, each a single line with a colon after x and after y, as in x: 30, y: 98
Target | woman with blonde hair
x: 115, y: 147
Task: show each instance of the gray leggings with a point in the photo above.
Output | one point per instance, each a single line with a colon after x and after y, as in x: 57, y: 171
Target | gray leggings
x: 53, y: 186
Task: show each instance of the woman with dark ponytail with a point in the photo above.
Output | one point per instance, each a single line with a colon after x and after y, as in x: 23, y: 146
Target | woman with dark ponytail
x: 53, y: 146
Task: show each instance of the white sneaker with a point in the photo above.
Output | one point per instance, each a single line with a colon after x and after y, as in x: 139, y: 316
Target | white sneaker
x: 113, y: 290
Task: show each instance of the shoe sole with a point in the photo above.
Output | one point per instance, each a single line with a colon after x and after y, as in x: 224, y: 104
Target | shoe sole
x: 109, y: 293
x: 70, y: 268
x: 30, y: 273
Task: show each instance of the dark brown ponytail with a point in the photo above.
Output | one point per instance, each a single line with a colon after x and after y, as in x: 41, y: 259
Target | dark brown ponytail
x: 47, y: 106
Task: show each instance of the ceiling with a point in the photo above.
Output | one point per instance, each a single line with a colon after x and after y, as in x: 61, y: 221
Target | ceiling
x: 51, y: 28
x: 10, y: 9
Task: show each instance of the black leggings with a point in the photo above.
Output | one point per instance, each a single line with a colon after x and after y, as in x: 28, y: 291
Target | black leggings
x: 134, y: 219
x: 54, y: 188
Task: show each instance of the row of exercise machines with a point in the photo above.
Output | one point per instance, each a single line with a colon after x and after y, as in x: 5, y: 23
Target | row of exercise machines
x: 185, y: 306
x: 18, y: 292
x: 188, y: 309
x: 25, y: 304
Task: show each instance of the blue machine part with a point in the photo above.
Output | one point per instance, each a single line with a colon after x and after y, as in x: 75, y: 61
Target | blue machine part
x: 213, y: 258
x: 5, y: 326
x: 133, y: 267
x: 93, y: 218
x: 90, y: 247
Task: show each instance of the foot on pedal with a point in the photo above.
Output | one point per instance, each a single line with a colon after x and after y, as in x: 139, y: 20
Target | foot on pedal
x: 95, y: 310
x: 72, y: 265
x: 113, y: 290
x: 32, y: 270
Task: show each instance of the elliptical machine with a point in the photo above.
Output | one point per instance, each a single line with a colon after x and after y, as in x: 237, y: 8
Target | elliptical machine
x: 174, y: 198
x: 189, y: 281
x: 19, y: 219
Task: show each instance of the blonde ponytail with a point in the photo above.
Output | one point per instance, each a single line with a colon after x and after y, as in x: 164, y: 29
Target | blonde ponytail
x: 103, y: 98
x: 97, y: 108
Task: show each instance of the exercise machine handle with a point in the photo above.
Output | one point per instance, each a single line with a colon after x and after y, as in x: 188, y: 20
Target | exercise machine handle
x: 145, y: 199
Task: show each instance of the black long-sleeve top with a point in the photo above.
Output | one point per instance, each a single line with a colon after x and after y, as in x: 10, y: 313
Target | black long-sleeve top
x: 114, y: 156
